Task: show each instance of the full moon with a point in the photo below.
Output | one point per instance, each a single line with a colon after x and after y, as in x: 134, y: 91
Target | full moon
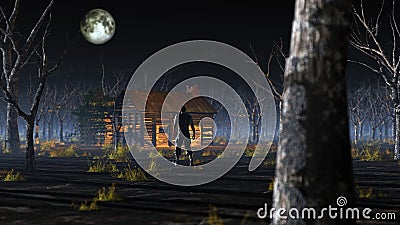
x: 98, y: 26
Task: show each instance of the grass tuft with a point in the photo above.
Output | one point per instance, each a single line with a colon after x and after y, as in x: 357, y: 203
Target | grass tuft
x: 107, y: 195
x: 132, y: 174
x: 68, y: 152
x: 85, y: 206
x: 371, y: 152
x: 121, y: 154
x: 101, y: 167
x: 11, y: 176
x: 271, y: 185
x: 213, y: 217
x: 368, y: 193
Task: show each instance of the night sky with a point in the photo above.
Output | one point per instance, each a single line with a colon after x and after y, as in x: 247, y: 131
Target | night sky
x: 148, y: 26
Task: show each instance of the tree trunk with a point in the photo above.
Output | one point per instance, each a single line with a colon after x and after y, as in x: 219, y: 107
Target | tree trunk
x: 355, y: 134
x: 12, y: 133
x: 314, y: 132
x: 61, y: 131
x: 373, y: 131
x: 254, y: 138
x: 44, y: 136
x: 386, y: 132
x: 30, y: 151
x: 37, y: 129
x: 361, y: 131
x: 397, y: 136
x: 49, y: 131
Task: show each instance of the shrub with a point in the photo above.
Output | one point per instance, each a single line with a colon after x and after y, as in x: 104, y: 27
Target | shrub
x: 107, y: 195
x: 89, y: 207
x: 371, y: 152
x: 107, y: 148
x: 132, y: 174
x: 121, y: 154
x: 68, y: 152
x: 98, y: 166
x: 11, y: 176
x: 368, y: 193
x: 47, y: 145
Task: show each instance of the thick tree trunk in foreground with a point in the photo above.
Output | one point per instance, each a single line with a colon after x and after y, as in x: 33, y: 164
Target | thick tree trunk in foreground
x: 314, y: 161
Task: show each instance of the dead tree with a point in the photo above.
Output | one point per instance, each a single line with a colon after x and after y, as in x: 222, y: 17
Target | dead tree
x: 314, y: 133
x: 112, y: 90
x: 373, y: 111
x: 12, y: 63
x: 357, y: 111
x: 367, y: 38
x: 387, y: 114
x: 49, y: 109
x: 32, y: 46
x: 276, y: 58
x: 64, y: 106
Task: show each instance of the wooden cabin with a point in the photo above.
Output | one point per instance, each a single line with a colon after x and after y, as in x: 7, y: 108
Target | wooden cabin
x: 198, y: 107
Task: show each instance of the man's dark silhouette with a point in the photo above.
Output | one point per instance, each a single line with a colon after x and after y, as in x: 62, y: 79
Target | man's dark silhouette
x: 183, y: 137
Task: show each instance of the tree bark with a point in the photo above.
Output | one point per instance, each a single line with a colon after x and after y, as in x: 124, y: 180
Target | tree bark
x: 373, y: 131
x: 61, y: 131
x: 314, y: 132
x: 37, y: 129
x: 355, y: 134
x: 44, y: 137
x: 30, y: 150
x: 12, y: 132
x: 396, y: 125
x: 49, y: 132
x: 361, y: 131
x: 397, y: 136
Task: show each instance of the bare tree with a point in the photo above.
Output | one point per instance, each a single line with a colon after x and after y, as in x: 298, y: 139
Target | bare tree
x: 33, y: 46
x: 314, y: 123
x: 49, y: 109
x: 357, y: 111
x: 113, y: 89
x: 277, y: 58
x: 64, y: 105
x: 373, y: 112
x: 367, y: 38
x: 384, y: 113
x: 12, y: 62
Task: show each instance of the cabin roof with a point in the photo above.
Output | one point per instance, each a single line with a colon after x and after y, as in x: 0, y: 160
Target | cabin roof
x: 155, y: 101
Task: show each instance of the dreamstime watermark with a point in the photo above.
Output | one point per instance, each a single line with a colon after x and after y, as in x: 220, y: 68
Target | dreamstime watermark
x: 151, y: 70
x: 333, y: 212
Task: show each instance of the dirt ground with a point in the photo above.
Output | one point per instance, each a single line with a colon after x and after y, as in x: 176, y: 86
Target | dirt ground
x: 52, y: 194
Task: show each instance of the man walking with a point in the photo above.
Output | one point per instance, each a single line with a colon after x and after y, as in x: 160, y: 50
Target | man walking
x: 184, y: 120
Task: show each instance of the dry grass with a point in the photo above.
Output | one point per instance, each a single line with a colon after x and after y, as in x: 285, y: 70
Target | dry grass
x: 213, y: 217
x: 132, y: 174
x: 10, y: 176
